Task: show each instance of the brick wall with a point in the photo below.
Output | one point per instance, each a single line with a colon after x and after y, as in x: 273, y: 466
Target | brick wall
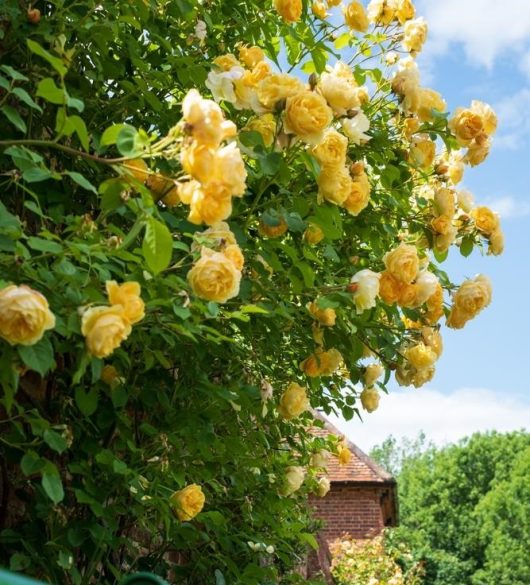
x: 352, y: 510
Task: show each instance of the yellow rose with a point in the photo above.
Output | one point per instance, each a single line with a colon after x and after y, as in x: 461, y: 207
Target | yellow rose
x: 205, y: 120
x: 478, y: 150
x: 370, y: 399
x: 293, y: 402
x: 404, y: 10
x: 435, y: 305
x: 251, y: 56
x: 472, y: 296
x: 214, y: 277
x: 496, y: 242
x: 226, y: 62
x: 323, y: 486
x: 414, y: 35
x: 137, y: 168
x: 365, y: 288
x: 335, y: 184
x: 216, y: 236
x: 307, y: 115
x: 104, y: 329
x: 172, y: 198
x: 444, y: 202
x: 273, y: 231
x: 230, y: 170
x: 442, y: 224
x: 322, y: 363
x: 276, y: 87
x: 234, y: 254
x: 289, y: 10
x: 403, y: 263
x: 406, y: 84
x: 24, y: 315
x: 486, y: 220
x: 339, y: 90
x: 325, y: 317
x: 389, y: 288
x: 198, y: 160
x: 128, y: 296
x: 489, y: 118
x: 159, y: 184
x: 409, y: 376
x: 381, y: 12
x: 293, y: 480
x: 332, y: 3
x: 422, y: 151
x: 313, y: 234
x: 207, y: 207
x: 420, y: 356
x: 109, y: 375
x: 433, y: 339
x: 318, y: 8
x: 429, y: 100
x: 343, y: 454
x: 266, y: 126
x: 331, y: 150
x: 187, y: 502
x: 372, y: 373
x: 407, y: 295
x: 320, y: 458
x: 359, y: 195
x: 355, y: 16
x: 465, y: 125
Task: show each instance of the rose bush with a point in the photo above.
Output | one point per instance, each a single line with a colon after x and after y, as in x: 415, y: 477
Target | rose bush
x: 215, y: 217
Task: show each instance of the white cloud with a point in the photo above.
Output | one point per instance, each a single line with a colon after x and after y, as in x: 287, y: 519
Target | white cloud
x: 514, y: 124
x: 485, y: 28
x: 508, y: 207
x: 443, y: 417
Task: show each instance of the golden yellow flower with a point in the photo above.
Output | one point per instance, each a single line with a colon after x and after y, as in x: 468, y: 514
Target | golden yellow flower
x: 355, y: 16
x: 318, y: 8
x: 486, y: 220
x: 325, y: 317
x: 489, y: 118
x: 339, y: 89
x: 251, y: 56
x: 332, y: 3
x: 403, y: 263
x: 137, y: 168
x: 343, y: 454
x: 307, y: 115
x: 429, y: 100
x: 128, y: 296
x: 472, y: 296
x: 442, y: 224
x: 370, y: 399
x: 335, y: 184
x: 109, y: 375
x: 289, y: 10
x: 313, y: 234
x: 372, y: 373
x: 207, y: 207
x: 389, y: 288
x: 322, y: 363
x: 496, y: 242
x: 24, y: 315
x: 405, y: 10
x: 273, y: 231
x: 407, y: 295
x: 414, y: 35
x: 478, y: 150
x: 198, y: 160
x: 187, y: 502
x: 331, y: 150
x: 234, y: 254
x: 217, y: 236
x: 381, y: 12
x: 433, y: 339
x: 359, y: 195
x: 435, y: 306
x: 159, y: 185
x: 226, y: 62
x: 444, y: 202
x: 172, y: 198
x: 465, y: 125
x: 293, y: 402
x: 420, y: 356
x: 259, y: 72
x: 266, y: 126
x: 214, y: 277
x: 422, y: 151
x: 104, y: 329
x: 276, y: 87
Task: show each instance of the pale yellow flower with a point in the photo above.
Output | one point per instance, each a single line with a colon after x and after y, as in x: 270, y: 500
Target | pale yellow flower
x: 307, y: 115
x: 128, y: 296
x: 105, y: 328
x: 187, y: 502
x: 293, y: 402
x: 214, y: 277
x: 403, y: 263
x: 289, y: 10
x: 355, y: 16
x: 370, y: 399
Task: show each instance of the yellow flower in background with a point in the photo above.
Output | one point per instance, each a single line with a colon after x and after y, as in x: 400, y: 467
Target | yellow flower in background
x: 414, y: 35
x: 216, y: 236
x: 318, y: 8
x: 472, y: 296
x: 403, y: 263
x: 105, y: 328
x: 307, y: 115
x: 235, y: 255
x: 331, y: 150
x: 24, y: 315
x: 277, y: 87
x: 381, y: 12
x: 422, y: 151
x: 433, y: 339
x: 486, y: 220
x: 251, y: 56
x: 214, y: 277
x: 339, y: 89
x: 343, y: 453
x: 289, y: 10
x: 334, y: 184
x: 404, y: 10
x: 325, y: 317
x: 487, y: 114
x: 435, y: 306
x: 293, y: 402
x: 207, y: 207
x: 313, y: 234
x: 137, y: 168
x: 429, y: 100
x: 188, y: 502
x: 420, y: 356
x: 370, y: 399
x: 478, y: 150
x: 226, y: 62
x: 322, y: 363
x: 389, y: 288
x: 496, y: 242
x: 323, y: 486
x: 128, y: 296
x: 266, y: 126
x: 372, y: 373
x: 273, y: 231
x: 320, y: 458
x: 293, y: 480
x: 355, y: 16
x: 109, y: 375
x: 466, y: 125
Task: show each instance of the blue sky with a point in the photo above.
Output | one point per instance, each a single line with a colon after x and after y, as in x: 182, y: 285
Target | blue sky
x: 478, y: 49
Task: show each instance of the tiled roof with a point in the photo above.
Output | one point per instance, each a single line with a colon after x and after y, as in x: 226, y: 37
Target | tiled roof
x: 360, y: 468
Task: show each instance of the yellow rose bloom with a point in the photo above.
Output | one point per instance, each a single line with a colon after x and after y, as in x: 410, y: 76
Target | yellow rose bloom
x: 187, y: 502
x: 405, y: 10
x: 332, y: 3
x: 266, y: 126
x: 289, y: 10
x: 422, y: 151
x: 251, y: 56
x: 429, y: 100
x: 307, y: 115
x: 343, y: 454
x: 293, y: 480
x: 489, y: 117
x: 24, y: 315
x: 322, y: 363
x: 331, y: 150
x: 339, y: 89
x: 433, y: 339
x: 414, y: 35
x: 370, y: 399
x: 276, y: 87
x: 381, y: 12
x: 207, y: 207
x: 273, y: 231
x: 355, y: 16
x: 496, y: 242
x: 216, y: 236
x: 435, y: 306
x: 403, y: 263
x: 313, y: 234
x: 486, y: 220
x: 420, y: 356
x: 372, y: 373
x: 442, y: 224
x: 198, y: 160
x: 104, y: 329
x: 444, y: 202
x: 293, y: 402
x: 318, y: 8
x: 323, y: 486
x: 478, y: 150
x: 214, y: 277
x: 335, y: 184
x: 226, y: 62
x: 465, y: 125
x: 172, y: 198
x: 325, y: 317
x: 472, y: 296
x: 128, y: 296
x: 359, y: 195
x: 389, y: 288
x: 234, y: 254
x: 109, y: 375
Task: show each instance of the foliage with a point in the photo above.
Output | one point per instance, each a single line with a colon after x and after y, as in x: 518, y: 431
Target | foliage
x: 464, y: 509
x: 153, y: 408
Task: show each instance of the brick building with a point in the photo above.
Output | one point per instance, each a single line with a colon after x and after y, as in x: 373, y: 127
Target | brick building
x: 361, y: 502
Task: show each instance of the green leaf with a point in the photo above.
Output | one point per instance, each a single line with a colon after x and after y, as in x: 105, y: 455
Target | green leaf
x: 129, y: 141
x: 342, y: 41
x: 55, y: 441
x: 31, y: 463
x: 14, y: 117
x: 24, y: 96
x: 466, y: 247
x: 309, y: 539
x: 43, y: 245
x: 8, y: 376
x: 80, y: 128
x: 157, y: 246
x: 110, y: 136
x: 36, y: 175
x: 38, y: 357
x: 52, y: 484
x: 10, y: 225
x: 87, y: 402
x: 55, y: 62
x: 50, y: 92
x: 440, y: 255
x: 19, y: 562
x: 219, y: 578
x: 13, y: 73
x: 80, y: 180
